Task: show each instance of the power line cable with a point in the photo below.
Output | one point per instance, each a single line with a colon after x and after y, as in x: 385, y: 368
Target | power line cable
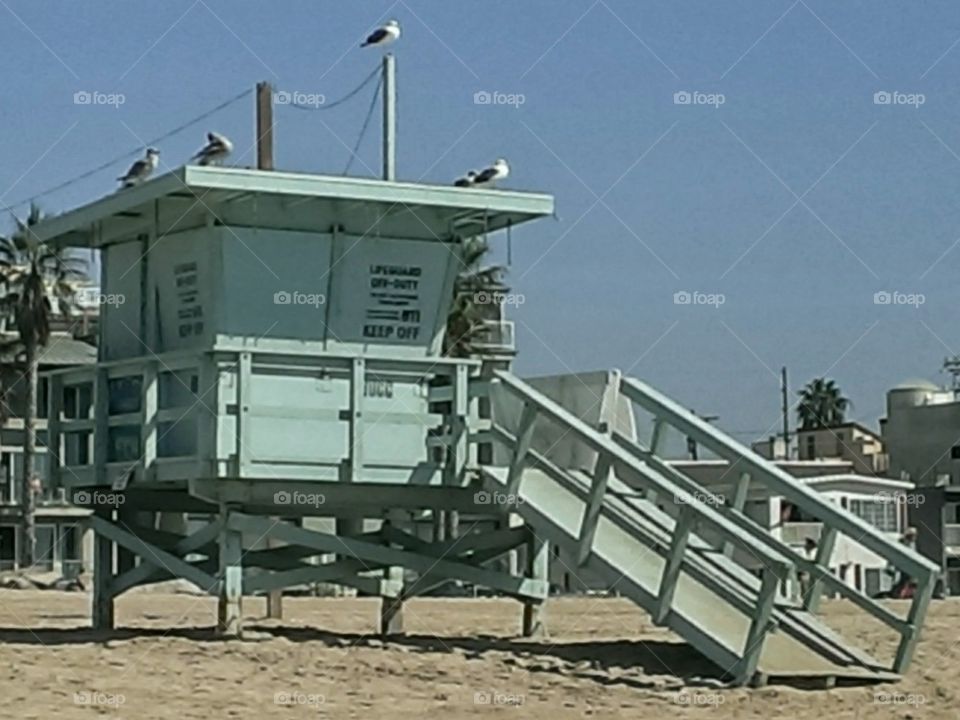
x: 366, y: 124
x: 130, y: 153
x: 345, y: 98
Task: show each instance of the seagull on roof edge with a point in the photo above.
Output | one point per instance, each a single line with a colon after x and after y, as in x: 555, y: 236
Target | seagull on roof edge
x: 383, y: 35
x: 141, y: 169
x: 466, y: 180
x: 217, y: 149
x: 500, y: 170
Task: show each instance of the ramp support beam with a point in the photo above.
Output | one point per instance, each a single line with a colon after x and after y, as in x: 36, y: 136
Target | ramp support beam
x: 538, y: 568
x: 811, y: 598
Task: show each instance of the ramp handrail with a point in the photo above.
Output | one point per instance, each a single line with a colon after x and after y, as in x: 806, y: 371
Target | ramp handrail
x: 781, y: 483
x: 624, y: 463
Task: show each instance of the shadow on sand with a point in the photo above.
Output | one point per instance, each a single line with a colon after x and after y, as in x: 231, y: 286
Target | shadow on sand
x: 607, y: 662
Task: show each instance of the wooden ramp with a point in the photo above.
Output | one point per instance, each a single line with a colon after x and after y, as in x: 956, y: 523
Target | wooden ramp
x: 686, y: 567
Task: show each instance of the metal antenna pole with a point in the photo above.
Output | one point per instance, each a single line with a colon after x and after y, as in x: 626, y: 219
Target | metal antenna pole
x: 389, y: 117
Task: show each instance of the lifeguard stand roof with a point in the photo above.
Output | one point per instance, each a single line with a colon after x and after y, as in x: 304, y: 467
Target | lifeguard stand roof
x: 295, y: 201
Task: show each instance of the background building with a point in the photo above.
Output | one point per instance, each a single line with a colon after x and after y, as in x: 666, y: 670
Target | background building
x: 922, y: 436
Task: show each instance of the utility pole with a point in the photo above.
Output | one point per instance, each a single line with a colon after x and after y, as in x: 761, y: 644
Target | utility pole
x: 264, y: 126
x: 389, y: 117
x: 785, y: 408
x: 265, y: 162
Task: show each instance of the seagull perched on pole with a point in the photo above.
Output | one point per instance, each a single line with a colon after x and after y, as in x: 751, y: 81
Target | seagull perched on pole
x: 141, y: 169
x: 383, y: 35
x: 488, y: 177
x: 216, y: 150
x: 467, y: 180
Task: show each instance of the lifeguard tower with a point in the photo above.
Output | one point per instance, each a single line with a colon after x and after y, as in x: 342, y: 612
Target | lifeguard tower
x: 276, y: 361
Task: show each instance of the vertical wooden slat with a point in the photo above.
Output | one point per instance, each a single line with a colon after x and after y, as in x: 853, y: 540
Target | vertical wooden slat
x: 671, y: 569
x: 528, y: 420
x: 828, y: 539
x: 737, y: 503
x: 756, y: 635
x: 591, y: 510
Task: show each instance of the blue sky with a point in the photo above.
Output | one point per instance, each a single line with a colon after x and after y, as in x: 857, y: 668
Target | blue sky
x: 794, y: 201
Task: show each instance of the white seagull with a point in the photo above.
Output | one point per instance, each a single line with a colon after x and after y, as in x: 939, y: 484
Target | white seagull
x: 467, y: 180
x: 216, y: 150
x: 488, y: 177
x: 141, y: 169
x: 383, y: 35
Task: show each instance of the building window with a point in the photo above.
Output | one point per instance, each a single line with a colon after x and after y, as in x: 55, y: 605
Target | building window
x: 955, y: 452
x: 882, y: 515
x: 811, y: 447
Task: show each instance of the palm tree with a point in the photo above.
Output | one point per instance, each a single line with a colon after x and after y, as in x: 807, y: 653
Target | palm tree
x: 33, y: 277
x: 475, y: 288
x: 821, y: 405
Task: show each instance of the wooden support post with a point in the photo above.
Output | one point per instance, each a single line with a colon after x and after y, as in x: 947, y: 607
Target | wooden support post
x: 264, y: 126
x: 812, y: 595
x: 910, y: 638
x: 128, y: 519
x: 391, y: 602
x: 148, y: 420
x: 230, y: 605
x: 103, y: 611
x: 671, y: 569
x: 458, y: 447
x: 538, y: 568
x: 274, y: 597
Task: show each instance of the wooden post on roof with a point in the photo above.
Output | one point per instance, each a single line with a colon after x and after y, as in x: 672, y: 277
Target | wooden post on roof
x: 264, y: 126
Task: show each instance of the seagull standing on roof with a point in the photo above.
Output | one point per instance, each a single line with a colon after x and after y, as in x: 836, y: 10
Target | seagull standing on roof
x: 491, y: 175
x: 383, y: 35
x: 216, y: 150
x: 141, y: 169
x: 467, y: 180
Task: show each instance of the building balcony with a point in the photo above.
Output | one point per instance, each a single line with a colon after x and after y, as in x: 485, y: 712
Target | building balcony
x: 796, y: 534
